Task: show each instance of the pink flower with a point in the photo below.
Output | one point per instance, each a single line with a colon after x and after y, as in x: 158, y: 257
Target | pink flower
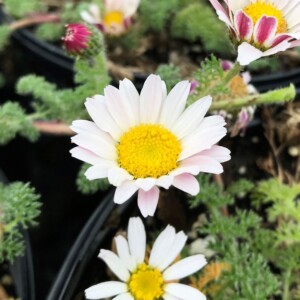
x: 143, y: 142
x: 116, y: 17
x: 261, y: 27
x: 77, y: 38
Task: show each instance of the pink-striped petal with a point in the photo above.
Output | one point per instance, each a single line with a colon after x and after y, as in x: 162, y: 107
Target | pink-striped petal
x: 265, y: 29
x: 244, y: 25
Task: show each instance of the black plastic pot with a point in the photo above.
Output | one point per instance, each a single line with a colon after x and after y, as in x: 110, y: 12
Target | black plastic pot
x: 87, y: 245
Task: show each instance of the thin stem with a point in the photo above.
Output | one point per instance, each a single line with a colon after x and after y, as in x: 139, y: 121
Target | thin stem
x: 277, y: 96
x: 236, y: 69
x: 286, y: 285
x: 33, y: 20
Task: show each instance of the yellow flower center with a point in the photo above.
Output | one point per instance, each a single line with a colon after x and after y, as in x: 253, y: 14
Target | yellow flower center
x: 146, y: 283
x: 257, y: 9
x: 113, y: 18
x: 148, y: 151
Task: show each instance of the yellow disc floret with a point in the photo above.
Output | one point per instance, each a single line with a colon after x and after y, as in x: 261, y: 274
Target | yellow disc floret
x: 146, y: 283
x: 148, y: 151
x: 257, y: 9
x: 113, y: 18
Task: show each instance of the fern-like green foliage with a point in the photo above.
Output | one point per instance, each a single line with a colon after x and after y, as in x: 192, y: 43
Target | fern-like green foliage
x: 198, y: 21
x: 67, y: 104
x: 13, y: 121
x: 88, y: 187
x: 210, y: 77
x: 19, y: 208
x: 154, y: 14
x: 17, y: 8
x: 282, y: 197
x: 5, y: 32
x: 50, y: 31
x: 211, y: 194
x: 170, y: 74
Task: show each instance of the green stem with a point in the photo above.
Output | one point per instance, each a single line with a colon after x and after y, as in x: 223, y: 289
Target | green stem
x: 286, y: 285
x: 277, y: 96
x: 236, y: 69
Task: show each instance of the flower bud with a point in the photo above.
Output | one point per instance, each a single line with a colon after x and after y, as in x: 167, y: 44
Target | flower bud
x: 82, y: 41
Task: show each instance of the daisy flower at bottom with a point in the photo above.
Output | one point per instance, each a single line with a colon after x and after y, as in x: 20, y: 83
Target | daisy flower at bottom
x: 148, y: 279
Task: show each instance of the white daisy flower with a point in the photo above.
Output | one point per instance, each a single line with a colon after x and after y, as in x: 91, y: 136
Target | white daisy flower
x: 142, y: 142
x: 148, y: 279
x: 116, y: 17
x: 261, y: 27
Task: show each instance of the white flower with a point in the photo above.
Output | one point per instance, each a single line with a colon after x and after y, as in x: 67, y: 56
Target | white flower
x: 116, y: 16
x: 261, y: 27
x: 142, y: 142
x: 148, y: 279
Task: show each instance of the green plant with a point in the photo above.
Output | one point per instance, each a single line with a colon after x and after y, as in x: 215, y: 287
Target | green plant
x: 19, y: 208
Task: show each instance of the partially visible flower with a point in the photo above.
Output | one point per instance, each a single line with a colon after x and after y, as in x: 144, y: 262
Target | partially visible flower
x: 82, y: 40
x: 261, y: 27
x: 194, y: 84
x: 142, y: 142
x: 116, y: 17
x: 245, y: 116
x: 148, y: 279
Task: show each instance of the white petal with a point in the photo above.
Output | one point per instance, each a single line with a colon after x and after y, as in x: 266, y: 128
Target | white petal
x: 146, y: 184
x: 88, y: 127
x: 147, y: 201
x: 219, y: 153
x: 117, y: 107
x: 165, y: 181
x: 125, y: 191
x: 116, y: 176
x: 247, y: 54
x: 96, y: 172
x: 169, y: 297
x: 177, y: 246
x: 210, y: 131
x: 132, y: 100
x: 126, y: 296
x: 175, y: 103
x: 137, y: 239
x: 98, y: 111
x: 151, y: 100
x: 105, y: 289
x: 237, y: 5
x: 116, y: 265
x: 278, y: 48
x: 185, y: 267
x: 96, y: 144
x: 184, y: 292
x: 87, y: 17
x: 130, y: 7
x: 161, y: 246
x: 204, y: 163
x: 123, y: 252
x: 187, y: 183
x: 88, y: 156
x: 192, y: 117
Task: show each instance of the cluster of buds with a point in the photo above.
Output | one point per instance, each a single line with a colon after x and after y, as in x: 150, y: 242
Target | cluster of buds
x: 82, y: 41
